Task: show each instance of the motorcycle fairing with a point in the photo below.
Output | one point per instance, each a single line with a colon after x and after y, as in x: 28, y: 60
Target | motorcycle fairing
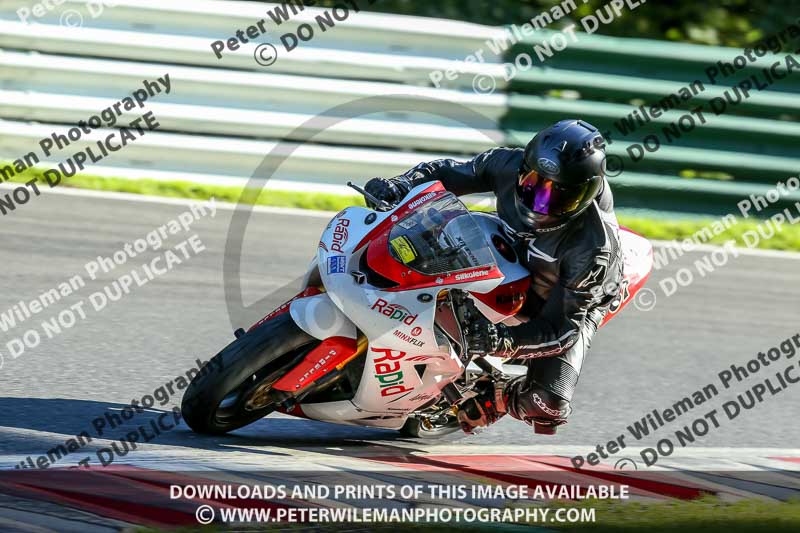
x: 405, y: 364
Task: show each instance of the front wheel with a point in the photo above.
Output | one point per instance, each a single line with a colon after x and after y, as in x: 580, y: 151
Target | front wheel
x: 238, y: 394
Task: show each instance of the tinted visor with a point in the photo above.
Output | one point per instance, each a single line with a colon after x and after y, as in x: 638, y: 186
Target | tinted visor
x: 546, y: 197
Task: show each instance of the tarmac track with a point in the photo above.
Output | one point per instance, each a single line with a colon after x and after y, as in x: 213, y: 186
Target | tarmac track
x: 640, y: 362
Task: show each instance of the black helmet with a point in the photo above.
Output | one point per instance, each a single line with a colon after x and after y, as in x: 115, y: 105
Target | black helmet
x: 561, y: 174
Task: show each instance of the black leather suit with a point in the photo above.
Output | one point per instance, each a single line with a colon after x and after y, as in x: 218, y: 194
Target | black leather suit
x: 576, y: 272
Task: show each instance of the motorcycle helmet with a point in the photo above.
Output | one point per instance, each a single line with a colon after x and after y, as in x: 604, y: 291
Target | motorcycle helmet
x: 561, y: 174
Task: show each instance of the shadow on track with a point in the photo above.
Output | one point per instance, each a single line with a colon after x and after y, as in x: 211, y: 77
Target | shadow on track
x: 24, y: 420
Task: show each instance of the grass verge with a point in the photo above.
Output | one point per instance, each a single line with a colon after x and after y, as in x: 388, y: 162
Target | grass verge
x: 787, y: 239
x: 705, y: 514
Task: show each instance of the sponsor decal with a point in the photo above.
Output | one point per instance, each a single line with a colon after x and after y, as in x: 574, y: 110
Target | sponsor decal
x: 337, y: 264
x: 421, y: 200
x: 394, y: 311
x: 323, y: 246
x: 408, y: 223
x: 388, y: 373
x: 551, y: 167
x: 416, y: 331
x: 408, y: 338
x: 543, y: 406
x: 472, y: 275
x: 422, y: 397
x: 340, y: 235
x: 466, y: 249
x: 404, y: 249
x: 624, y: 295
x: 320, y: 364
x: 418, y: 358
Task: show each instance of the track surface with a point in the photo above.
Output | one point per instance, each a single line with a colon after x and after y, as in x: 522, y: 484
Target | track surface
x: 641, y: 361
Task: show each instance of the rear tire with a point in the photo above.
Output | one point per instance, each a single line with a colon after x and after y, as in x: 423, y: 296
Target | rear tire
x: 215, y: 401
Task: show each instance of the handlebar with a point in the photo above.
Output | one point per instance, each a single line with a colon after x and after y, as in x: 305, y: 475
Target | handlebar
x: 380, y: 205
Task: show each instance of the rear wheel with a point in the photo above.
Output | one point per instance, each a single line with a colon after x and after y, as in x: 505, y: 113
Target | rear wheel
x: 219, y: 401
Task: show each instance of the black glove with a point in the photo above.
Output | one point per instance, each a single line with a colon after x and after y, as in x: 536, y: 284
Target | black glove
x: 484, y: 409
x: 384, y: 189
x: 481, y: 337
x: 485, y: 338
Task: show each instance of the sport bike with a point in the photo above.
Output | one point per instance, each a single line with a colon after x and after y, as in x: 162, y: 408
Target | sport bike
x: 376, y: 336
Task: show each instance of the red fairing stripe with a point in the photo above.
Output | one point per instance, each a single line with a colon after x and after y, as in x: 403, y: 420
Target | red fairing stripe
x: 311, y: 291
x: 633, y: 288
x: 387, y: 224
x: 317, y: 363
x: 507, y: 299
x: 379, y: 259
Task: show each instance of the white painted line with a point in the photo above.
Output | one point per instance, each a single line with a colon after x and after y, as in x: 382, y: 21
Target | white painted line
x: 311, y: 213
x: 141, y: 198
x: 757, y: 252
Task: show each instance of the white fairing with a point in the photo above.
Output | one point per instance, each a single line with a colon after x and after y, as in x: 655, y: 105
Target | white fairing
x: 319, y: 317
x: 405, y: 367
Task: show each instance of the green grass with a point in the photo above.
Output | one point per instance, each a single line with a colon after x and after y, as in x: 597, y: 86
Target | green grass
x: 706, y: 514
x: 788, y: 239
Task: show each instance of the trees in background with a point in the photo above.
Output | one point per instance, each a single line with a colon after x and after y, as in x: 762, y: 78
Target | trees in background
x: 715, y: 22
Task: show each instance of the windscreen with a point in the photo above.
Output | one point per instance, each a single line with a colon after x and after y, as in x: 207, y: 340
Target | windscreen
x: 440, y: 237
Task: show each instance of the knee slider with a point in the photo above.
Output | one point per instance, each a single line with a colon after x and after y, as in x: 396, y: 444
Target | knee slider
x: 540, y: 408
x: 548, y: 406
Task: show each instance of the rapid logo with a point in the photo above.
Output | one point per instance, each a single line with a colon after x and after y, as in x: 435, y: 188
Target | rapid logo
x: 340, y: 235
x: 394, y: 311
x: 408, y: 338
x: 388, y: 372
x: 337, y: 264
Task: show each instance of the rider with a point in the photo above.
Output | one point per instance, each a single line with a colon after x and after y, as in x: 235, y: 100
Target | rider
x: 559, y: 212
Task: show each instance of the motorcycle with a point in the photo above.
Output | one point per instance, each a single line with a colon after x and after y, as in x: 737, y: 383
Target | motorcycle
x: 376, y: 336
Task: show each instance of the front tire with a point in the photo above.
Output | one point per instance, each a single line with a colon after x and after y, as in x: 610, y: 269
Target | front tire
x: 219, y: 401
